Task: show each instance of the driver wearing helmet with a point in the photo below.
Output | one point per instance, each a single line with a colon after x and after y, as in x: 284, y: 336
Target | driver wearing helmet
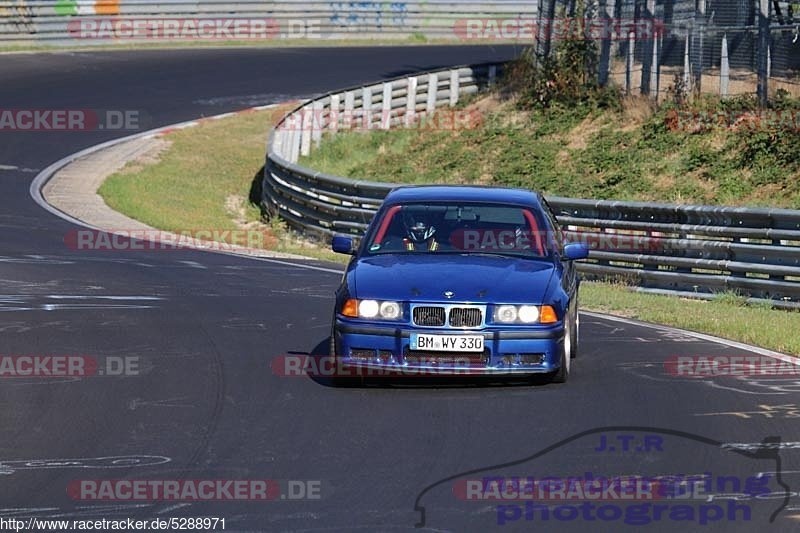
x: 420, y: 235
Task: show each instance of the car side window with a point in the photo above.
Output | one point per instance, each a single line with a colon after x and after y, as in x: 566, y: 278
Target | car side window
x: 558, y: 237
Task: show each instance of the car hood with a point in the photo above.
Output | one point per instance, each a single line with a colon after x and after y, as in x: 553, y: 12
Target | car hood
x: 471, y: 278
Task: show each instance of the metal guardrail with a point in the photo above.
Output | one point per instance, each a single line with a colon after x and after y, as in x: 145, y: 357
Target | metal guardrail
x: 681, y: 248
x: 48, y: 21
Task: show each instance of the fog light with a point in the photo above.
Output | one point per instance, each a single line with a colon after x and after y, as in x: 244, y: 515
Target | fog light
x: 531, y: 358
x: 362, y: 354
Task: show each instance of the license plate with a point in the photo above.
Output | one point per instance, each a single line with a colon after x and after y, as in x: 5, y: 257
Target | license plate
x: 447, y: 343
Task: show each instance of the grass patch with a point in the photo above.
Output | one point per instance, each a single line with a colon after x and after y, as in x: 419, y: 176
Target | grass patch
x: 727, y: 316
x: 203, y: 181
x: 626, y: 153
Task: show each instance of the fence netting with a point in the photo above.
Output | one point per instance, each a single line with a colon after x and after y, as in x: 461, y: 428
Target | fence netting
x: 658, y: 47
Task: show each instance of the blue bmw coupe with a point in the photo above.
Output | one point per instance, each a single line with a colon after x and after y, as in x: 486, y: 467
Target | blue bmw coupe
x: 452, y: 279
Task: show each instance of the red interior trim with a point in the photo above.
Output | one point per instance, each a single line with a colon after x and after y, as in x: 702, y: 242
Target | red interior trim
x: 387, y: 219
x: 534, y: 230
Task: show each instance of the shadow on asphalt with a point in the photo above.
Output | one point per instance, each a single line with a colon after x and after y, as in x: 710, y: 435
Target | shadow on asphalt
x: 320, y: 353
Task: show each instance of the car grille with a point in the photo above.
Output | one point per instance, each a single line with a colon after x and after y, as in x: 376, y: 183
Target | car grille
x: 465, y: 317
x: 454, y: 359
x: 429, y: 316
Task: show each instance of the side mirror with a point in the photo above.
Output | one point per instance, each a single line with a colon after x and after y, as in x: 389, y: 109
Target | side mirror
x: 342, y: 245
x: 573, y: 252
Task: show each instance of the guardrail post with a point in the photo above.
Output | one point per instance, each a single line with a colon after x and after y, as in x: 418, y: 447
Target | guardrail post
x: 386, y: 106
x: 687, y: 64
x: 433, y: 90
x: 698, y: 44
x: 769, y: 63
x: 411, y: 100
x: 305, y: 138
x: 724, y: 69
x: 333, y: 115
x: 295, y: 139
x: 349, y: 109
x: 762, y: 50
x: 280, y: 142
x: 454, y: 87
x: 606, y: 15
x: 492, y: 75
x: 649, y: 45
x: 655, y: 68
x: 366, y: 107
x: 629, y: 63
x: 316, y: 123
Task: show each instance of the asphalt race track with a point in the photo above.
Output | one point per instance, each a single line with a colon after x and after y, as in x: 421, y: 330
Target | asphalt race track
x: 206, y: 403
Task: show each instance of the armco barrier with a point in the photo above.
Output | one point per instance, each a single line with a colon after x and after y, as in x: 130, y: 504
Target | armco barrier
x: 58, y: 22
x: 680, y: 248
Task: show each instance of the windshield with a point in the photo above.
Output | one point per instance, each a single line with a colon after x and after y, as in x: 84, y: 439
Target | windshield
x: 501, y: 230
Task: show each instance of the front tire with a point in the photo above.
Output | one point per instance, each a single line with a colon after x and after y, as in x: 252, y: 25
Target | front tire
x: 562, y: 374
x: 341, y: 381
x: 576, y: 332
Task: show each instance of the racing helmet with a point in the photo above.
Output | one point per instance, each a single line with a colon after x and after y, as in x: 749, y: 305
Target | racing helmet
x: 417, y: 227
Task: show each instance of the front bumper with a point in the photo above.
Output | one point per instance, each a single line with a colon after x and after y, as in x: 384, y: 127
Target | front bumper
x: 385, y: 347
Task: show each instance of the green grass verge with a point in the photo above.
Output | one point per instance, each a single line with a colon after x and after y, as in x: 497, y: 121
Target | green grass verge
x: 627, y: 153
x: 726, y: 316
x: 203, y: 182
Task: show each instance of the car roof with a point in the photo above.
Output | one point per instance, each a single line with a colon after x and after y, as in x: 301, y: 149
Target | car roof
x: 462, y: 193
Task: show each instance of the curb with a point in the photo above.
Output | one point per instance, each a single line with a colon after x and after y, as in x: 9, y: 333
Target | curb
x: 43, y: 178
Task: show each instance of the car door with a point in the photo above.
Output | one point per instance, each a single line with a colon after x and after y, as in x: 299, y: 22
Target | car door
x: 569, y: 275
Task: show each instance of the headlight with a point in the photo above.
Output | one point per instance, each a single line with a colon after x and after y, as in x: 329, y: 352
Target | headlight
x: 383, y: 310
x: 525, y: 314
x: 528, y: 314
x: 368, y: 309
x: 506, y: 314
x: 390, y: 310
